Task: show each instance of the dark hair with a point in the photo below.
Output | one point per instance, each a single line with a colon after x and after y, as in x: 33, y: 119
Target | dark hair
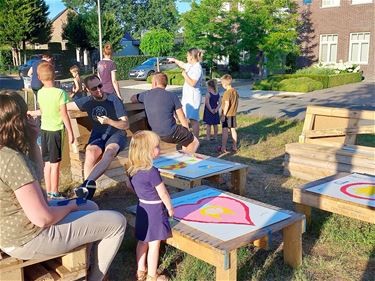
x: 160, y: 78
x: 89, y: 78
x: 47, y: 56
x: 13, y: 122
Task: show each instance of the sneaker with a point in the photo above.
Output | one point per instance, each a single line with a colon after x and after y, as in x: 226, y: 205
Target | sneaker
x: 86, y: 190
x: 56, y: 196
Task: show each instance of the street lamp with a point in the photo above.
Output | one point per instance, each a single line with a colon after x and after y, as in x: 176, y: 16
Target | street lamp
x: 100, y: 32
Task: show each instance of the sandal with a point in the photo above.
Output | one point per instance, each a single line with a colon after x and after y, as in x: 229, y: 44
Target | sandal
x: 141, y: 275
x: 157, y: 277
x: 56, y: 195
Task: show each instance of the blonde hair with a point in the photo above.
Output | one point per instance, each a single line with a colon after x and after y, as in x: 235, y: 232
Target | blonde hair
x: 107, y: 50
x: 160, y: 78
x: 213, y: 84
x: 46, y: 71
x: 226, y: 79
x: 196, y: 53
x: 141, y: 151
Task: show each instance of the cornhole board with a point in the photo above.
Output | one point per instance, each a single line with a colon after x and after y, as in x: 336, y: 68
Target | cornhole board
x: 185, y: 171
x: 351, y: 195
x: 211, y: 225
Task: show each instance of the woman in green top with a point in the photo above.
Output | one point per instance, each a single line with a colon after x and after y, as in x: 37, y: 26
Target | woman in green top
x: 31, y: 226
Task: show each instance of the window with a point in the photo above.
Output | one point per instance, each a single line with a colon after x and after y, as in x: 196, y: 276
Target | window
x: 330, y: 3
x: 359, y: 47
x: 328, y: 48
x: 355, y: 2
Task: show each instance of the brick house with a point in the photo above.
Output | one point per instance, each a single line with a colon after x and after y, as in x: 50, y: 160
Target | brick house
x: 337, y: 30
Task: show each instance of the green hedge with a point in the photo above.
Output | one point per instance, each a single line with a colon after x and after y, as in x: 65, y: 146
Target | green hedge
x: 301, y: 84
x: 126, y: 63
x: 174, y: 77
x: 344, y: 78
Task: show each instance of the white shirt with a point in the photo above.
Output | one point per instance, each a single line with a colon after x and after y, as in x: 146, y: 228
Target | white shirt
x: 192, y: 95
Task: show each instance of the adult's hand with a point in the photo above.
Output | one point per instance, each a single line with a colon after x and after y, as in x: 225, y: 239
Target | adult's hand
x: 171, y: 60
x: 104, y: 120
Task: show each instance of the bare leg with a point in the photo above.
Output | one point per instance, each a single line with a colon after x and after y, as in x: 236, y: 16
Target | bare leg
x: 153, y: 257
x: 93, y: 153
x: 54, y: 180
x: 192, y: 147
x: 102, y: 165
x: 208, y: 132
x: 47, y: 175
x: 215, y: 131
x: 141, y: 254
x: 195, y: 127
x: 234, y: 137
x: 224, y: 139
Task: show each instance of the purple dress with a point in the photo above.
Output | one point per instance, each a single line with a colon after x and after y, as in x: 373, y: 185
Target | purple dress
x: 152, y: 217
x: 208, y: 117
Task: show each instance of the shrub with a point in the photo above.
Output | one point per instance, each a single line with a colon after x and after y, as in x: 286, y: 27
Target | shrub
x: 344, y: 78
x: 315, y: 71
x: 126, y: 63
x: 174, y: 77
x: 301, y: 84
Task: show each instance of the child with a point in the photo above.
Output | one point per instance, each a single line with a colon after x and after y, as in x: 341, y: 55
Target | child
x: 154, y: 205
x: 52, y: 102
x: 78, y: 88
x: 229, y: 104
x: 211, y: 109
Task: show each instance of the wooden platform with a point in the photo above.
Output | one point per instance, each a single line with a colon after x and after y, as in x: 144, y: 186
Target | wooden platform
x: 66, y: 267
x: 223, y: 254
x: 304, y: 200
x: 238, y: 173
x: 327, y: 144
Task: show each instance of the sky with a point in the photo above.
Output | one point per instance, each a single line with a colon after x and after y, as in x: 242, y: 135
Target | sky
x: 56, y: 6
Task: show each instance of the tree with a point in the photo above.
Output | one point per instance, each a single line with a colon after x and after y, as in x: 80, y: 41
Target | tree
x: 21, y: 21
x: 75, y: 31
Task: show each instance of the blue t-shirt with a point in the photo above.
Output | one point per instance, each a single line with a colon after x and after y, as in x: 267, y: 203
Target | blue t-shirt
x: 36, y: 84
x: 144, y: 183
x: 160, y: 106
x: 112, y: 107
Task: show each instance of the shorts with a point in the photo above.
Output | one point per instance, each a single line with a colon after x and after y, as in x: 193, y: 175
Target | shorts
x: 51, y: 145
x: 229, y: 122
x: 103, y: 140
x: 181, y: 136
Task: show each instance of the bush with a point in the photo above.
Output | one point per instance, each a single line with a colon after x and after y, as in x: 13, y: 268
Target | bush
x: 301, y: 84
x: 344, y: 78
x: 126, y: 63
x: 174, y: 77
x: 316, y: 71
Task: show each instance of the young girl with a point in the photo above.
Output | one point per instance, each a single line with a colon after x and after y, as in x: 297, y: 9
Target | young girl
x: 154, y: 205
x: 78, y: 87
x: 211, y: 109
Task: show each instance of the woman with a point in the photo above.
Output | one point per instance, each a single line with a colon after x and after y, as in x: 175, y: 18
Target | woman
x: 31, y: 227
x: 191, y: 91
x: 107, y: 72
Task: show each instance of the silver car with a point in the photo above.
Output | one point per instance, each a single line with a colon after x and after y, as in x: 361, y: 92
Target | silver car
x: 142, y: 71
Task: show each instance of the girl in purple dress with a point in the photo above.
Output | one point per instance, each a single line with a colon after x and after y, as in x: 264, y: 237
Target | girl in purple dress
x: 211, y: 109
x: 154, y: 204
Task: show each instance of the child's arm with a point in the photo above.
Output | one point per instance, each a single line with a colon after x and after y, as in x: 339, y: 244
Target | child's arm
x: 115, y: 84
x: 66, y: 120
x: 207, y: 103
x: 164, y: 196
x: 225, y: 110
x: 34, y: 113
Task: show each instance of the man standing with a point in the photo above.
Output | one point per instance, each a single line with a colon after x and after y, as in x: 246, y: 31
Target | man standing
x: 36, y: 84
x: 108, y: 136
x: 161, y: 108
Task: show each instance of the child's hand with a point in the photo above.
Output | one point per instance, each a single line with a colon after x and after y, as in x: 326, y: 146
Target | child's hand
x: 103, y: 120
x: 71, y: 137
x: 171, y: 212
x: 222, y: 118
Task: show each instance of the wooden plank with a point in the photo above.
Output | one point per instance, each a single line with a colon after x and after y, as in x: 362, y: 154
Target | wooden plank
x: 134, y: 106
x: 238, y: 180
x: 341, y: 112
x: 304, y: 209
x: 15, y: 274
x: 262, y: 243
x: 136, y: 117
x: 64, y: 273
x: 37, y: 272
x: 292, y: 244
x: 340, y: 132
x: 76, y: 259
x: 307, y: 125
x: 230, y: 273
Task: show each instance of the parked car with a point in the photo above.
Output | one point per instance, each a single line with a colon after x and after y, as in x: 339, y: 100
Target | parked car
x: 142, y: 71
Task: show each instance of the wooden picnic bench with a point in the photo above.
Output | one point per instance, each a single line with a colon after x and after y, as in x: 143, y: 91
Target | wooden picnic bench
x: 328, y: 144
x: 223, y: 254
x: 66, y: 267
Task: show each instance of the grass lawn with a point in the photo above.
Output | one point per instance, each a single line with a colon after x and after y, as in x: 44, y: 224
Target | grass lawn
x: 334, y: 247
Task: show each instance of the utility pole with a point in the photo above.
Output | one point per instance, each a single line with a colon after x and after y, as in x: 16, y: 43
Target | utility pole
x: 100, y: 31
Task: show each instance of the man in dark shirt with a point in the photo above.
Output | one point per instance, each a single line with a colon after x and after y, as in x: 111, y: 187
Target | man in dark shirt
x: 108, y: 136
x: 161, y: 107
x: 36, y: 84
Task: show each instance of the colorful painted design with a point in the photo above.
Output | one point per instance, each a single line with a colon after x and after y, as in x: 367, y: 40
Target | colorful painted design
x: 217, y: 209
x: 361, y: 190
x: 179, y: 165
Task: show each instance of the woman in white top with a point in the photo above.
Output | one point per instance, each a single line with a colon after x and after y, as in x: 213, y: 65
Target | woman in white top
x: 191, y: 91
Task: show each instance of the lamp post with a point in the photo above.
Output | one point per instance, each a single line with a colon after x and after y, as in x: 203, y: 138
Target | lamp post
x: 100, y: 32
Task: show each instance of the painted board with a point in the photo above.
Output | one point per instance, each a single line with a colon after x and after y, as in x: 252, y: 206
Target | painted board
x: 188, y: 166
x: 355, y: 188
x: 221, y: 215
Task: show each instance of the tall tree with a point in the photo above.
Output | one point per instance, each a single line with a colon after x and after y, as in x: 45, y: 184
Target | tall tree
x: 75, y: 31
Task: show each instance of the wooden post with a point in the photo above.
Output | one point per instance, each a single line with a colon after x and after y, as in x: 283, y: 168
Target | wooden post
x: 292, y: 238
x: 262, y: 243
x: 238, y: 180
x: 229, y: 274
x: 304, y: 209
x: 14, y: 274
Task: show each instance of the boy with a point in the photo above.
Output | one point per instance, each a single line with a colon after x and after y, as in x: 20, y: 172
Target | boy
x: 52, y: 103
x: 229, y: 105
x: 78, y: 88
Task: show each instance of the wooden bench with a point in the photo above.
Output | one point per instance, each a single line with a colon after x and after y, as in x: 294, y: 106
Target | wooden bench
x: 305, y: 200
x: 223, y: 254
x: 66, y: 267
x: 82, y: 127
x: 328, y: 144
